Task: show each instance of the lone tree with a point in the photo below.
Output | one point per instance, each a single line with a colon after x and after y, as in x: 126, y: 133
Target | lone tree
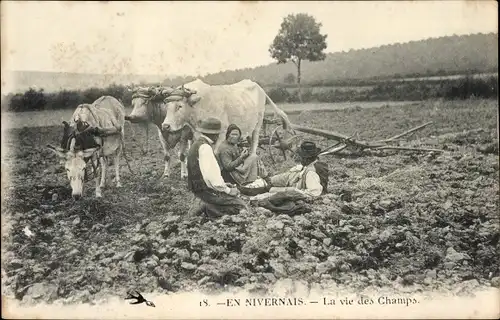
x: 298, y: 39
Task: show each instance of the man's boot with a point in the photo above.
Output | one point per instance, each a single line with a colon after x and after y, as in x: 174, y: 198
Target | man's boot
x: 197, y: 208
x: 213, y: 211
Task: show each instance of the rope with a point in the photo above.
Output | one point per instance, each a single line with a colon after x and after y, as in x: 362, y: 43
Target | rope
x: 125, y: 156
x: 94, y: 169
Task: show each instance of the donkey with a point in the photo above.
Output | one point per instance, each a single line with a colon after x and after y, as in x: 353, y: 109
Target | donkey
x: 95, y: 132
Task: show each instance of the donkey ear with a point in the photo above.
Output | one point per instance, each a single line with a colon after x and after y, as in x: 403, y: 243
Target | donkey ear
x: 89, y: 152
x: 60, y: 152
x: 66, y: 124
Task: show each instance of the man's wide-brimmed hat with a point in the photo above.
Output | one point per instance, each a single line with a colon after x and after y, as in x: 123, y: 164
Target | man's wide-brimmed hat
x: 210, y: 126
x: 308, y: 149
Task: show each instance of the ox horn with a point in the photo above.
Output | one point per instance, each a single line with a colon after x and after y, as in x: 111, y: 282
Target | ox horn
x: 192, y: 100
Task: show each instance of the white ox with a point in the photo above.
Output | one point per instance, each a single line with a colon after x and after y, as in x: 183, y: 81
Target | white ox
x: 108, y: 115
x: 148, y: 107
x: 241, y: 103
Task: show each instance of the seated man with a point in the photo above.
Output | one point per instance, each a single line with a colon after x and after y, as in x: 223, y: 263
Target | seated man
x: 238, y: 167
x: 204, y: 175
x: 303, y: 177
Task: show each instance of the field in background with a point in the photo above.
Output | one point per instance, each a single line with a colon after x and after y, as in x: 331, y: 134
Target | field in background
x: 45, y: 118
x: 347, y: 91
x: 407, y: 221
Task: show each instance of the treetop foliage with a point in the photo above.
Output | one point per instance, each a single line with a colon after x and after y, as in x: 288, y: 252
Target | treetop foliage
x: 299, y: 38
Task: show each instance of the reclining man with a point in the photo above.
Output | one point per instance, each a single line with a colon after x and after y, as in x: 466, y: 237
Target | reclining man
x: 215, y: 197
x: 303, y: 177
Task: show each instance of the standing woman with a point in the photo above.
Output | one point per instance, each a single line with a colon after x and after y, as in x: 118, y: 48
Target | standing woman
x: 238, y: 166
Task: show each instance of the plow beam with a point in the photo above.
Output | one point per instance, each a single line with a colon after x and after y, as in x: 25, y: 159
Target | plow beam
x: 336, y: 136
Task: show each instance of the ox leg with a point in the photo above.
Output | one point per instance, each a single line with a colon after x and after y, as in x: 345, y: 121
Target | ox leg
x: 217, y: 144
x: 183, y: 150
x: 166, y: 154
x: 103, y: 172
x: 255, y: 142
x: 255, y: 136
x: 219, y: 141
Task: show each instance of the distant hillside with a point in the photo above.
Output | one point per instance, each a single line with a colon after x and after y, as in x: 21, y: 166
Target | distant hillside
x: 20, y: 81
x: 441, y: 56
x: 438, y: 56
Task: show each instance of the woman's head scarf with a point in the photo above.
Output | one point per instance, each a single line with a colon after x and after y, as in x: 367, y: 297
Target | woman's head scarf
x: 230, y: 128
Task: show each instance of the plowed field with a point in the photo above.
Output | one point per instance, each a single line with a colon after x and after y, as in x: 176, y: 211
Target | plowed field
x: 418, y: 221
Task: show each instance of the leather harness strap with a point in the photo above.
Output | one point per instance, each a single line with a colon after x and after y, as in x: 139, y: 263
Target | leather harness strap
x: 76, y: 133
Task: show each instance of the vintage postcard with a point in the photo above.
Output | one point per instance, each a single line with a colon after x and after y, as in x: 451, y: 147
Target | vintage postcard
x: 250, y: 160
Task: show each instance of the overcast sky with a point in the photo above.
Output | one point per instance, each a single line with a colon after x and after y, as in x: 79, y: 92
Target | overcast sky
x: 196, y: 38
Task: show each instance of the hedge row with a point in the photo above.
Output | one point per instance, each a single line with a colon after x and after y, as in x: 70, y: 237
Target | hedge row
x: 463, y: 88
x: 32, y: 100
x: 414, y: 90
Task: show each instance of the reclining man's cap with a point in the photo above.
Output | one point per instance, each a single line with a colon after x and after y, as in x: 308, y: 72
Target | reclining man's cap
x: 308, y: 149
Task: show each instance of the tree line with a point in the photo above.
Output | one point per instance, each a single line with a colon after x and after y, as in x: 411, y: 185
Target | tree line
x: 462, y: 88
x: 36, y: 100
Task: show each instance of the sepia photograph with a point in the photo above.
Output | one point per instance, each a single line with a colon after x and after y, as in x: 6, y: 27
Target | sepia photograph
x: 250, y: 159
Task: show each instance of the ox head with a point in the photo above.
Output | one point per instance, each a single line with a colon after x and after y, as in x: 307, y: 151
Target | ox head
x: 180, y: 108
x: 140, y: 100
x: 144, y: 103
x: 74, y: 163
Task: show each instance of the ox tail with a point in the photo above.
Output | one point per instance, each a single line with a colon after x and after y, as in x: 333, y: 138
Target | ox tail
x: 287, y: 125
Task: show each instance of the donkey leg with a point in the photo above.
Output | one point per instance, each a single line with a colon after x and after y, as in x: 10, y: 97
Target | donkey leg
x: 117, y: 169
x: 103, y: 172
x: 118, y: 155
x: 98, y: 193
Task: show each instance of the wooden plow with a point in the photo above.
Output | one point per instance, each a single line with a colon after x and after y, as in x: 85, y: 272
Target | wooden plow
x: 275, y: 138
x: 280, y: 140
